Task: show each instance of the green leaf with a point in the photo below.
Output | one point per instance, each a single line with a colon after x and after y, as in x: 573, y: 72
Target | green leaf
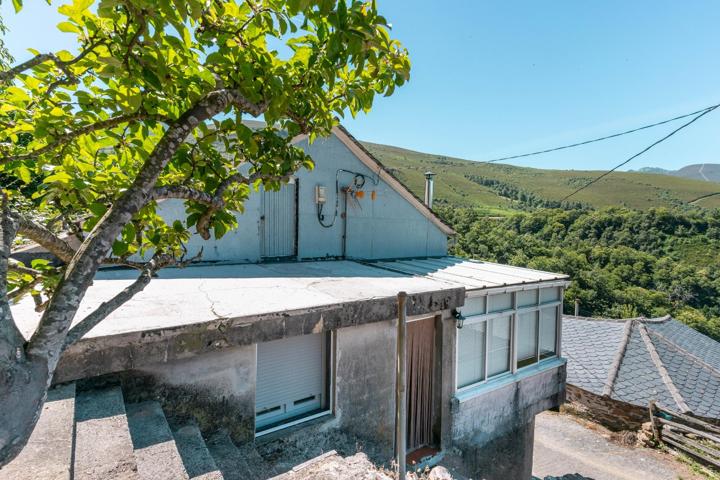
x: 119, y: 248
x: 18, y: 4
x: 151, y: 78
x: 24, y: 173
x: 68, y: 27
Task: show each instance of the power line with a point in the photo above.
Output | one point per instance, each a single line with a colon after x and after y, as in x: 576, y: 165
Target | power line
x: 595, y: 180
x: 703, y: 110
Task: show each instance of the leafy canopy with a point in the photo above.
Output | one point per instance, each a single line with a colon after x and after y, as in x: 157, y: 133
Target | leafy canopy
x: 80, y: 127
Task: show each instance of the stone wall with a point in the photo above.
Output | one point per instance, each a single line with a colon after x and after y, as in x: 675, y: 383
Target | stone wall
x: 611, y: 413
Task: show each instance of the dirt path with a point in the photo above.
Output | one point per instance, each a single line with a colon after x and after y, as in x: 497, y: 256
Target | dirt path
x: 564, y: 446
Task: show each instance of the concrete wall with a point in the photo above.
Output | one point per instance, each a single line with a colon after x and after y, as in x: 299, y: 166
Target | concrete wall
x: 495, y: 428
x: 386, y: 227
x: 217, y: 389
x: 365, y: 382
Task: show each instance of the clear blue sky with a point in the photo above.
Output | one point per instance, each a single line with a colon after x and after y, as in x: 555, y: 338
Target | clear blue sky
x: 504, y: 77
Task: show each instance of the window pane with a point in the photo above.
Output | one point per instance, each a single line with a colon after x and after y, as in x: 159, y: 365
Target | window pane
x: 499, y: 354
x: 473, y: 306
x: 548, y: 331
x: 527, y: 339
x: 550, y: 294
x: 471, y: 354
x: 500, y: 302
x: 527, y: 298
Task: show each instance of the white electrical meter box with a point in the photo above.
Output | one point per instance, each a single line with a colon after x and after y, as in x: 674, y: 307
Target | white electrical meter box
x: 319, y: 194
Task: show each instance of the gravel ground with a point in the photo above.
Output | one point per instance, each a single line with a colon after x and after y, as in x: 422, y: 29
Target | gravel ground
x: 565, y: 444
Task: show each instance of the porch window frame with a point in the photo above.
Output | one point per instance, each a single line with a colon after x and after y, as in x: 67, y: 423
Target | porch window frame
x: 514, y: 314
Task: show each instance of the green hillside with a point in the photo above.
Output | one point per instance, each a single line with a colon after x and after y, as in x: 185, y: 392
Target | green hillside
x: 500, y: 188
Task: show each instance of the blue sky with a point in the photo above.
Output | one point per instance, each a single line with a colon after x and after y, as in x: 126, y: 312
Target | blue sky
x: 499, y: 78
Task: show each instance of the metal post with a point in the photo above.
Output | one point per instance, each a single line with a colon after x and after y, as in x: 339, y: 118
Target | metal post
x: 577, y: 307
x: 400, y: 387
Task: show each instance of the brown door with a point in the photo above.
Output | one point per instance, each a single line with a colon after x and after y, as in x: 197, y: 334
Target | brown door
x: 420, y: 361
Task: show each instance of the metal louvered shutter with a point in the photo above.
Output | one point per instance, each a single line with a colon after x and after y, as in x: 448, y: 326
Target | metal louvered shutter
x: 290, y: 379
x: 279, y: 222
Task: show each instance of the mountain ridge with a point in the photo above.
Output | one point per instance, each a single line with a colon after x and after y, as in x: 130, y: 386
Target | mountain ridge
x: 500, y: 188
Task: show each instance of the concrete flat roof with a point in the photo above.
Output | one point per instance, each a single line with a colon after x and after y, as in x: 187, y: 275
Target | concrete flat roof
x: 205, y: 308
x: 198, y: 294
x: 470, y: 274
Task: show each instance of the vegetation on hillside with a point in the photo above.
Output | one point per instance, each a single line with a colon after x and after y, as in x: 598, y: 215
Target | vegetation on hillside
x: 623, y: 262
x: 467, y: 183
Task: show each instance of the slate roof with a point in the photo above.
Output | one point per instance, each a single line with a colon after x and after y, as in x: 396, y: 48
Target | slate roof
x: 638, y: 360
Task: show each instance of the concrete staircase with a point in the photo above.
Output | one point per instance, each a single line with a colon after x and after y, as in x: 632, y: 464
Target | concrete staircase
x: 95, y: 435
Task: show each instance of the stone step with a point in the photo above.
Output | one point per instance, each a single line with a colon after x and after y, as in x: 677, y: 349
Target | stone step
x: 48, y: 453
x: 256, y: 463
x: 196, y: 457
x: 156, y: 455
x: 103, y: 447
x: 227, y: 457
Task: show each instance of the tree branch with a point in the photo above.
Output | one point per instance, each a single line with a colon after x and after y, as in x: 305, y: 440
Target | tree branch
x: 10, y: 74
x: 49, y: 338
x: 67, y: 137
x: 182, y: 192
x: 106, y: 308
x: 45, y: 238
x: 218, y: 202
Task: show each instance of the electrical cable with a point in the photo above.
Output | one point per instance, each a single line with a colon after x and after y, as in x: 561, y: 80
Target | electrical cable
x: 600, y: 177
x: 359, y: 180
x: 703, y: 110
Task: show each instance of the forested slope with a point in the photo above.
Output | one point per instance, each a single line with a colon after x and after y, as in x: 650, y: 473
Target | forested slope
x: 623, y: 262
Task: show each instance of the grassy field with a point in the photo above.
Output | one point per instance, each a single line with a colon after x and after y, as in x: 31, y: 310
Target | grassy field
x: 453, y: 185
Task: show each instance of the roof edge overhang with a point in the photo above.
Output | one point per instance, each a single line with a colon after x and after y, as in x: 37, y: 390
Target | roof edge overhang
x: 96, y: 356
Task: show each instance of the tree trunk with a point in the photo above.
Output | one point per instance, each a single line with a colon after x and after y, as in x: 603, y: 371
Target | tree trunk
x: 26, y: 369
x: 23, y: 382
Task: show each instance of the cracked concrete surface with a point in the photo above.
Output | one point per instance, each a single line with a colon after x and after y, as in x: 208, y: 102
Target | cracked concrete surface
x: 564, y: 446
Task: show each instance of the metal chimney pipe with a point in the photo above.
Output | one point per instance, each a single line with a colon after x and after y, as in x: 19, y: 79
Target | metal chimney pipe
x: 429, y: 188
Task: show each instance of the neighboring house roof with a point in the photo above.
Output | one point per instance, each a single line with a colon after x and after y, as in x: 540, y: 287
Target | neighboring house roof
x: 638, y: 360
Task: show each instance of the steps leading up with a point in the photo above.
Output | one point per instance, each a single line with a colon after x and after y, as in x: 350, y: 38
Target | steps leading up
x: 228, y: 457
x: 48, y: 454
x: 195, y: 455
x: 156, y: 454
x: 256, y: 464
x: 103, y: 447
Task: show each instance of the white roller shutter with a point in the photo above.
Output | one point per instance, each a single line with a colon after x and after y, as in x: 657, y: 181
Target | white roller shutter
x: 290, y: 379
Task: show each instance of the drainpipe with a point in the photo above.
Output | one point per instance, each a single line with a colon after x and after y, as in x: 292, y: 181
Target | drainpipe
x: 346, y: 192
x: 400, y: 387
x: 429, y: 188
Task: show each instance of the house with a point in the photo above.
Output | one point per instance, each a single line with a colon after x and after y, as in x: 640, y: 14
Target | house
x: 290, y: 324
x: 616, y: 367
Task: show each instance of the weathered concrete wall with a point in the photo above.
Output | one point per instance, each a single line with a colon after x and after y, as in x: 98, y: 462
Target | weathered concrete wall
x: 365, y: 382
x: 495, y: 428
x: 226, y: 379
x: 613, y: 414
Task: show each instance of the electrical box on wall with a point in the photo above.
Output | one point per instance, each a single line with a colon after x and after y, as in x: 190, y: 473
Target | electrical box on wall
x: 320, y: 194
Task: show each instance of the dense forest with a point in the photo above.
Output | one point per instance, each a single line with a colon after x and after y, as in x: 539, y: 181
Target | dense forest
x: 623, y: 262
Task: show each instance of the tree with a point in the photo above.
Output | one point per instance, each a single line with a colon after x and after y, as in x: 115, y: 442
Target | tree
x: 151, y: 107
